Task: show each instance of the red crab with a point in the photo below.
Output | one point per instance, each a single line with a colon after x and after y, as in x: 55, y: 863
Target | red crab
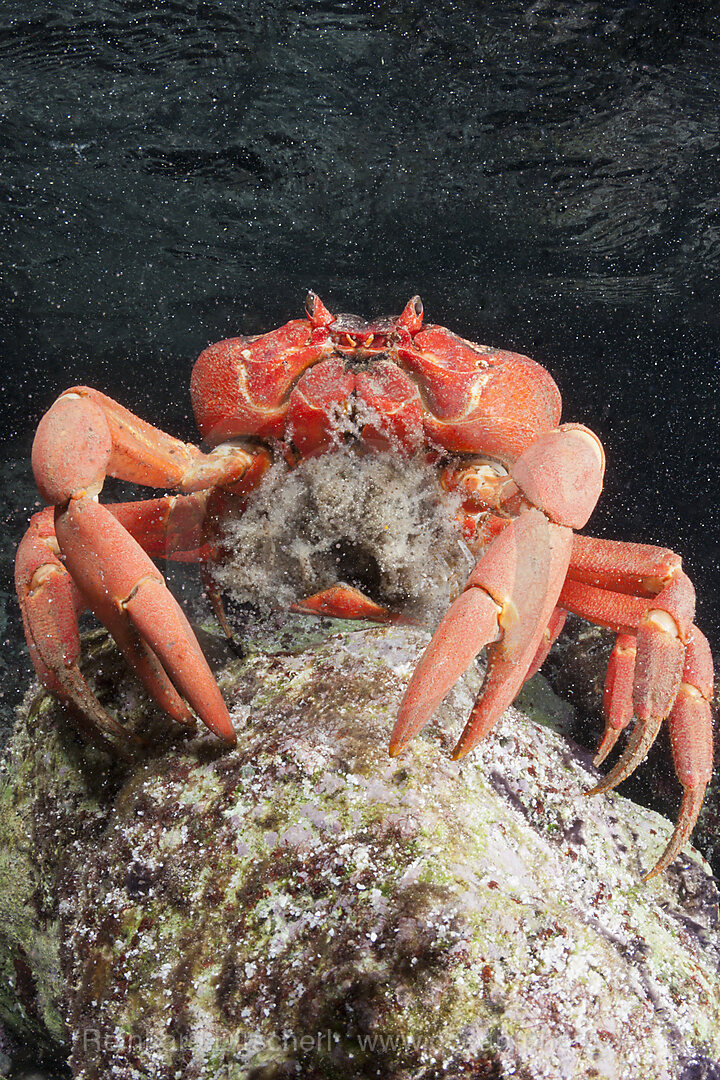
x: 487, y: 419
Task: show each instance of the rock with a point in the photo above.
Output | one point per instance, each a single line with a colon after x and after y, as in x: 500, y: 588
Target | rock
x: 305, y: 905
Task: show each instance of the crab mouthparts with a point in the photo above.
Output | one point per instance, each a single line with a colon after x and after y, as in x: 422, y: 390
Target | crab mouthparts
x: 351, y: 332
x: 356, y: 342
x: 360, y: 355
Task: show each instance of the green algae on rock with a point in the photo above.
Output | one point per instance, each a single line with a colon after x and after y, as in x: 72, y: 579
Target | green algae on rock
x: 304, y: 903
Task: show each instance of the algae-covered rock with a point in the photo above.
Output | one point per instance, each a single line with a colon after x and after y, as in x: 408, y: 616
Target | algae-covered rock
x: 304, y: 905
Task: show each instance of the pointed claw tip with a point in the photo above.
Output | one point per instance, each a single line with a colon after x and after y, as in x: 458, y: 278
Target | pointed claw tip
x: 689, y: 810
x: 459, y: 752
x: 607, y: 744
x: 603, y: 752
x: 225, y: 732
x: 396, y: 748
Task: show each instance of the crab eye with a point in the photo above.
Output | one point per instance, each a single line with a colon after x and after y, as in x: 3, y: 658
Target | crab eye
x: 412, y: 314
x: 317, y: 313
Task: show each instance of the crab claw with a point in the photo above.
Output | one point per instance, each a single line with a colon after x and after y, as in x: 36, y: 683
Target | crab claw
x: 345, y: 602
x: 508, y: 601
x: 49, y: 603
x: 126, y: 591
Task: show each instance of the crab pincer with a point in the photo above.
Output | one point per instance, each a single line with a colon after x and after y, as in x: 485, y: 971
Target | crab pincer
x: 81, y: 556
x: 127, y: 592
x: 507, y: 603
x: 511, y: 596
x: 50, y: 604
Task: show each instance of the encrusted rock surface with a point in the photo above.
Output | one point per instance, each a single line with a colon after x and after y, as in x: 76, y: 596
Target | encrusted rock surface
x: 303, y: 905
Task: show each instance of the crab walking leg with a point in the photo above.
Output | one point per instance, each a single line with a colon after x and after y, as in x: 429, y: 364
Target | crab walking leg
x: 623, y: 614
x: 640, y: 624
x: 510, y: 658
x: 172, y: 527
x: 470, y: 623
x: 555, y: 484
x: 122, y: 586
x: 86, y: 432
x: 661, y: 621
x: 618, y: 693
x: 85, y: 436
x: 691, y: 739
x: 560, y: 473
x: 657, y: 624
x: 50, y: 604
x: 508, y: 601
x: 690, y: 726
x: 690, y: 719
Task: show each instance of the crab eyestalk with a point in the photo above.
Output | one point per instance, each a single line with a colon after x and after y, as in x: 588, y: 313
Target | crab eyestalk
x: 411, y: 317
x: 316, y: 311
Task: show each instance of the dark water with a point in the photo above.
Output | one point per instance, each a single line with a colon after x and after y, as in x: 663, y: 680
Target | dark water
x: 544, y: 174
